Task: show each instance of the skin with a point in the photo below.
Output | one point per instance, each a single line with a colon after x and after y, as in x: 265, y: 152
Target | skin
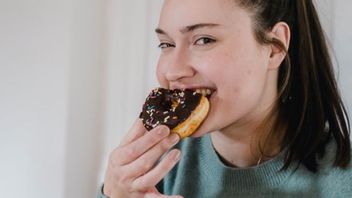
x: 204, y: 44
x: 225, y: 57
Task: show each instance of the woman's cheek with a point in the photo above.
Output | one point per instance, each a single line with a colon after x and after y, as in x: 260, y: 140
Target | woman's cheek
x: 160, y: 74
x: 212, y: 65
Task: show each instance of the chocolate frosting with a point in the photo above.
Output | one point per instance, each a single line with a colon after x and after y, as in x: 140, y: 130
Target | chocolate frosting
x: 168, y: 107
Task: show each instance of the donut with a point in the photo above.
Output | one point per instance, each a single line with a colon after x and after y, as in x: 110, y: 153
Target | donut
x: 182, y: 111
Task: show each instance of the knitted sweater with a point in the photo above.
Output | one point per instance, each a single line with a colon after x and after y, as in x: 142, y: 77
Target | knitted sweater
x: 201, y: 174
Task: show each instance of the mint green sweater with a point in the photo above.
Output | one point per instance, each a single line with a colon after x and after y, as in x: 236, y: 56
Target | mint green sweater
x: 201, y: 174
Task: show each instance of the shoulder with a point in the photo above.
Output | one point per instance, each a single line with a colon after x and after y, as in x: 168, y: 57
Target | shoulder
x: 327, y: 162
x: 335, y: 181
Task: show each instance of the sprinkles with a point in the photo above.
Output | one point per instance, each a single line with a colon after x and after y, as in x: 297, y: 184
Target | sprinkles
x: 168, y: 107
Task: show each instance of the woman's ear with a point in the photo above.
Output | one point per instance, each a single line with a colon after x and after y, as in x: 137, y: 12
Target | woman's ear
x: 280, y: 35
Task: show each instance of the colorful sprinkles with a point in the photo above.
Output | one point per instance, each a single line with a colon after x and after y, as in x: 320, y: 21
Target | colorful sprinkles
x: 168, y: 107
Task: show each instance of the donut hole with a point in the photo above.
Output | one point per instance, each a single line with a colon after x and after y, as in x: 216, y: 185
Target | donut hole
x: 168, y: 107
x: 170, y: 103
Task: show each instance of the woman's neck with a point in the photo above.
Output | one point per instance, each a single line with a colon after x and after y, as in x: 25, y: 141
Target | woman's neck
x: 245, y: 145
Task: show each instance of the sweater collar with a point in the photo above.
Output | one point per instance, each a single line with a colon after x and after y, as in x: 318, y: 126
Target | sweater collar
x: 266, y: 175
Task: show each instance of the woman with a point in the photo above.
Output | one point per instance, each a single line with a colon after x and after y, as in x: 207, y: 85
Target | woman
x: 277, y: 126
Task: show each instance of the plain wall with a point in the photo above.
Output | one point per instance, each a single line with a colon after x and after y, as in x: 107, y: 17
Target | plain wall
x: 341, y: 42
x: 34, y: 68
x: 73, y: 76
x: 51, y: 97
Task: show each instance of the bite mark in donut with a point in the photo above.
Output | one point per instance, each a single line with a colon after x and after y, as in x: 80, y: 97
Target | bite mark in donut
x: 182, y: 111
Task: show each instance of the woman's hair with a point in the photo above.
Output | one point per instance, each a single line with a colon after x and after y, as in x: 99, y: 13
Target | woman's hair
x: 309, y: 107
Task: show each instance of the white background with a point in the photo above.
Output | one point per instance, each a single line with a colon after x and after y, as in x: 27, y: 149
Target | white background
x: 73, y: 76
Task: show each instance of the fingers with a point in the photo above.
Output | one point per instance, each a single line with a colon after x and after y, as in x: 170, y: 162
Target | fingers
x: 133, y: 167
x: 146, y: 162
x: 132, y: 151
x: 136, y: 131
x: 158, y: 172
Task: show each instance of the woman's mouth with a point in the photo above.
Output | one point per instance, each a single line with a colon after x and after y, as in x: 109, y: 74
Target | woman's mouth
x: 207, y: 92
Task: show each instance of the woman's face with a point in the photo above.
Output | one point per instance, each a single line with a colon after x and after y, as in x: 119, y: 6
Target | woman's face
x: 210, y: 44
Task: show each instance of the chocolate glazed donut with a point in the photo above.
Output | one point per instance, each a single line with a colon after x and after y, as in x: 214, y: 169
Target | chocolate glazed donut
x: 181, y: 110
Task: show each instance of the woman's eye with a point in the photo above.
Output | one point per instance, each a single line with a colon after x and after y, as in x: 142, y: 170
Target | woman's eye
x: 204, y: 41
x: 165, y: 45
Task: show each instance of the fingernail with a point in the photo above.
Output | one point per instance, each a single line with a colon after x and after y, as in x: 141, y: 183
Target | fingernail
x: 174, y: 138
x: 177, y: 155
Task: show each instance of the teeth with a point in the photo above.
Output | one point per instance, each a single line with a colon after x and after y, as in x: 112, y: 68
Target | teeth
x: 204, y: 91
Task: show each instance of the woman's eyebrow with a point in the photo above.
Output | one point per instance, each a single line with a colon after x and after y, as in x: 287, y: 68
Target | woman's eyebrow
x: 189, y: 28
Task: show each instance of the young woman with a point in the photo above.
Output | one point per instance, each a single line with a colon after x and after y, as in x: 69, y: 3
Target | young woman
x: 277, y: 125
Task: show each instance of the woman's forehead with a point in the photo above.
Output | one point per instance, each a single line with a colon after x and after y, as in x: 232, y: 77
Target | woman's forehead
x: 182, y: 13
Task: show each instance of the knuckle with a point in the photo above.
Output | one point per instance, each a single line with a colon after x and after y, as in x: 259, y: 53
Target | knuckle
x: 131, y: 151
x: 167, y: 163
x: 153, y: 138
x: 121, y: 178
x: 165, y: 145
x: 139, y: 184
x: 145, y: 166
x: 116, y: 173
x: 114, y: 159
x: 113, y: 162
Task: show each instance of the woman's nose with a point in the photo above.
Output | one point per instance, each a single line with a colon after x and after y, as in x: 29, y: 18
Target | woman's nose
x: 179, y: 67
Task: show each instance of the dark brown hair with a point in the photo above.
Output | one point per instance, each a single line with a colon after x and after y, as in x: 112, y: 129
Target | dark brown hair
x: 309, y: 107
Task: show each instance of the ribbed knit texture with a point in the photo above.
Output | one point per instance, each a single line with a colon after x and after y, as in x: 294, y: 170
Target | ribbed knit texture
x: 201, y: 174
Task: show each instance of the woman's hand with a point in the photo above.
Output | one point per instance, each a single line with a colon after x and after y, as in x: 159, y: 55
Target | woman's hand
x: 133, y: 171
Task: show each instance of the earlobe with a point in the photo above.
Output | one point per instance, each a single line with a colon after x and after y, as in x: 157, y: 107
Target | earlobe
x: 280, y: 36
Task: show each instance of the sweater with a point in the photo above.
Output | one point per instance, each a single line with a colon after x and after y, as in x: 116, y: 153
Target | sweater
x: 200, y: 173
